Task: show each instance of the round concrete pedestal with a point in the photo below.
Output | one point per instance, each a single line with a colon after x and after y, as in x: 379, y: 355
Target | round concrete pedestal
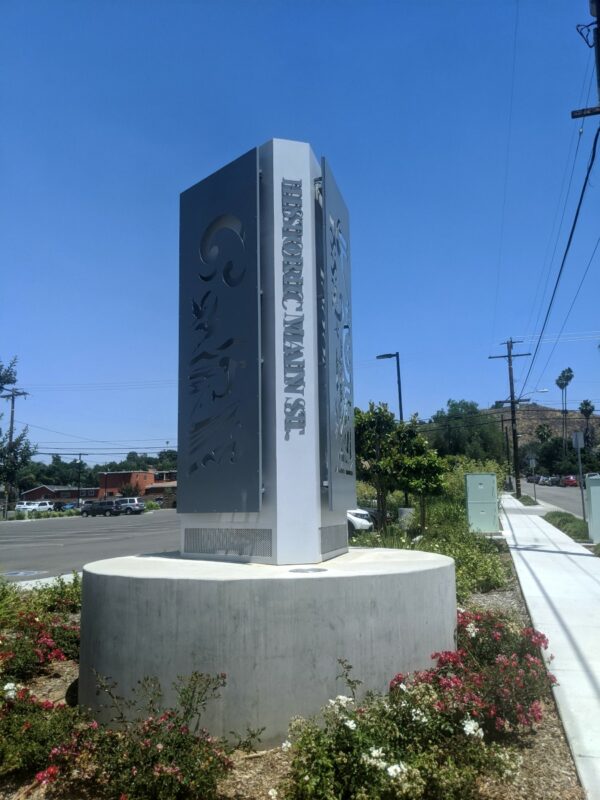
x: 276, y: 631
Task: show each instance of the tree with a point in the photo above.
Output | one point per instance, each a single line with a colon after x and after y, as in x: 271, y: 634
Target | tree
x: 563, y: 380
x: 463, y: 429
x: 15, y: 452
x: 394, y: 455
x: 587, y: 408
x: 8, y: 374
x: 376, y: 451
x: 543, y: 433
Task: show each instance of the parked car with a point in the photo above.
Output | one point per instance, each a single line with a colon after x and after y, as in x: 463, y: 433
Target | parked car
x: 554, y: 480
x: 130, y: 505
x: 531, y: 478
x: 569, y: 480
x: 107, y: 508
x: 544, y: 480
x: 359, y: 520
x: 43, y: 505
x: 25, y: 505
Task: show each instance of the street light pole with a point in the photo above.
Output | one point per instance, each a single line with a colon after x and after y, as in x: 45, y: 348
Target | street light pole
x: 396, y: 355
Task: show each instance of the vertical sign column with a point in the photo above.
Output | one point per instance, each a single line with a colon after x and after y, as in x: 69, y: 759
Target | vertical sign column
x: 219, y: 464
x: 335, y: 350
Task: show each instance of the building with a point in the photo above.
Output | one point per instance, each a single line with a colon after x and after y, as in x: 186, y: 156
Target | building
x: 113, y: 483
x: 64, y: 493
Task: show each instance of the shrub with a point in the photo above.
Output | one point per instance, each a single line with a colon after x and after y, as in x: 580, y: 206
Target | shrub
x: 33, y: 642
x: 151, y: 505
x: 496, y: 675
x: 433, y: 736
x: 526, y: 500
x: 159, y: 755
x: 477, y: 561
x: 60, y: 595
x: 30, y: 728
x: 568, y: 523
x: 390, y: 747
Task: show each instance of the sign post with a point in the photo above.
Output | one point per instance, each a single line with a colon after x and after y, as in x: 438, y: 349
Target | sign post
x: 532, y: 463
x: 578, y: 444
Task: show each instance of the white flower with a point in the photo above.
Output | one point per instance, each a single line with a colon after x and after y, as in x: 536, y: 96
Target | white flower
x: 350, y: 724
x: 472, y: 630
x: 286, y: 745
x: 471, y: 728
x: 401, y: 686
x: 10, y: 690
x: 341, y: 700
x: 396, y: 769
x: 272, y: 793
x: 374, y: 758
x: 418, y: 715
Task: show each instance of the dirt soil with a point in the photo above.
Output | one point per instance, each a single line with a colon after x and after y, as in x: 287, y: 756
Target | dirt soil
x: 547, y: 770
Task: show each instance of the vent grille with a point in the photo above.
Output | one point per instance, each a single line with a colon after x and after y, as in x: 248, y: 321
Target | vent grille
x: 334, y: 537
x: 250, y: 542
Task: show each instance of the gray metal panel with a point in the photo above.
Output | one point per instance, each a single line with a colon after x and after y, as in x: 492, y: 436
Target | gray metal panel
x: 336, y: 404
x: 481, y: 487
x: 250, y: 542
x: 219, y: 464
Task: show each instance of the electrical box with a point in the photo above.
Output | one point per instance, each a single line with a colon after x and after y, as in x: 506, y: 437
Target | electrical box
x: 592, y: 499
x: 482, y: 502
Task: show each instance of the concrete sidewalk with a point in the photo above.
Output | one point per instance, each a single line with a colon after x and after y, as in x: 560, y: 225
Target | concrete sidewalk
x: 560, y: 581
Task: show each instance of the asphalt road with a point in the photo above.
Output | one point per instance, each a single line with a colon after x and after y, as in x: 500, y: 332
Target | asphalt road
x: 49, y: 547
x: 566, y: 497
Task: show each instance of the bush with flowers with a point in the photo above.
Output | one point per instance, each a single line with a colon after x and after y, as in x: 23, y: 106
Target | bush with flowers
x: 162, y: 754
x: 37, y: 627
x: 438, y: 731
x: 30, y: 728
x: 35, y: 640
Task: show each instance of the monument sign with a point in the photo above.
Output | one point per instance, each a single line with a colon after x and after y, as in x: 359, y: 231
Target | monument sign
x: 266, y: 443
x: 266, y: 474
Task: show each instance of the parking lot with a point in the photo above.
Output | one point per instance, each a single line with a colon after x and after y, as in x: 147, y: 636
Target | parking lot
x: 43, y: 548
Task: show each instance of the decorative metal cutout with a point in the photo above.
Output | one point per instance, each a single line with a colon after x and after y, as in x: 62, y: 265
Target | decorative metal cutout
x: 335, y: 347
x: 219, y: 368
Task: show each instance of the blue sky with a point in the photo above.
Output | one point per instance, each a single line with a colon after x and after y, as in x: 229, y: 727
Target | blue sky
x: 447, y: 125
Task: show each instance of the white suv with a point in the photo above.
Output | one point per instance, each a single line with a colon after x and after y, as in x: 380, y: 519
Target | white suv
x: 26, y: 505
x: 359, y: 520
x: 43, y: 505
x: 130, y: 505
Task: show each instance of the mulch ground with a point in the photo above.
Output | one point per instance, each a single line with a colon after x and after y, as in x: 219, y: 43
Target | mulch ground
x: 547, y: 770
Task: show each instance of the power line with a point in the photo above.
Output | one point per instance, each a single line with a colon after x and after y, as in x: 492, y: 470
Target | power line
x: 565, y: 254
x: 570, y: 308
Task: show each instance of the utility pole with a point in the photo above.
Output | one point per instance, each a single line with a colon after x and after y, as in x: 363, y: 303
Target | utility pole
x: 513, y: 408
x: 79, y: 478
x: 507, y: 448
x: 590, y: 35
x: 10, y: 395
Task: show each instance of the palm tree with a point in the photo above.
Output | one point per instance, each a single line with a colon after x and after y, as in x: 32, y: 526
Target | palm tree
x: 586, y: 408
x: 563, y: 380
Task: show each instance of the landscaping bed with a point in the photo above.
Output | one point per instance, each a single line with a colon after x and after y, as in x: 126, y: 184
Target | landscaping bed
x: 546, y: 768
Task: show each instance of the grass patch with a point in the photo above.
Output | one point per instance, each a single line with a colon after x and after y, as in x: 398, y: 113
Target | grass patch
x: 570, y: 524
x: 526, y: 500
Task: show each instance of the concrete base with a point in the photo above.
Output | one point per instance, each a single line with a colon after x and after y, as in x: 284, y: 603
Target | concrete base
x: 276, y: 631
